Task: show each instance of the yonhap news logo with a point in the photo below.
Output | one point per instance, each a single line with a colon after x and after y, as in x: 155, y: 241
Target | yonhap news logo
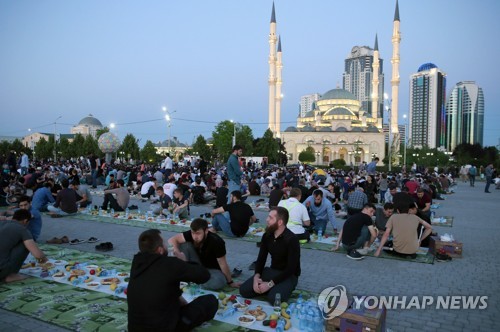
x: 333, y: 302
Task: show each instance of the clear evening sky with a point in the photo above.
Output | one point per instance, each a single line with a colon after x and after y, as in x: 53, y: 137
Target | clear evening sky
x: 123, y: 60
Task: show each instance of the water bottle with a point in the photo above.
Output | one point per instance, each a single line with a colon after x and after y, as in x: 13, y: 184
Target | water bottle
x: 318, y: 323
x: 309, y: 321
x: 127, y: 211
x: 433, y: 215
x: 228, y: 312
x: 291, y: 310
x: 139, y: 212
x: 320, y: 235
x: 300, y: 300
x: 100, y: 211
x: 277, y: 304
x: 302, y: 319
x: 281, y: 325
x: 112, y: 212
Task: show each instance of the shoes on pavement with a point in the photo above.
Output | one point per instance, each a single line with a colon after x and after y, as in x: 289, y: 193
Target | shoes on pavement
x: 363, y: 251
x: 252, y: 266
x: 92, y: 240
x: 236, y: 273
x: 354, y: 254
x: 76, y: 241
x: 105, y: 246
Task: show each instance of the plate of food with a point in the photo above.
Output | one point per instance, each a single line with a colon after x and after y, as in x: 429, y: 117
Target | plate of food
x: 109, y: 281
x: 59, y: 275
x: 60, y: 262
x: 93, y: 285
x: 258, y: 313
x: 240, y: 306
x: 28, y: 265
x: 122, y: 274
x: 91, y: 267
x: 46, y: 266
x: 246, y: 320
x: 78, y: 272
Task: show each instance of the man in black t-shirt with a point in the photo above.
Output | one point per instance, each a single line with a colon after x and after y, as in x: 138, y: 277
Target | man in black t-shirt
x: 358, y: 233
x: 206, y: 248
x: 275, y: 196
x: 221, y: 195
x: 241, y: 216
x: 164, y: 200
x: 180, y: 204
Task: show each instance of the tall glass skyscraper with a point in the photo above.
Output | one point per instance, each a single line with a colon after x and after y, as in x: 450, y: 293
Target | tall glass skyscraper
x: 358, y: 75
x: 464, y: 115
x: 427, y: 107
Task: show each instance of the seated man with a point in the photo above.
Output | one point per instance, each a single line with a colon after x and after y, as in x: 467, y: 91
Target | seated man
x: 165, y: 202
x: 298, y: 215
x: 403, y: 227
x: 83, y: 196
x: 423, y: 201
x: 35, y: 222
x: 358, y: 233
x: 154, y: 298
x: 65, y: 201
x: 42, y: 197
x: 356, y: 201
x: 320, y: 211
x: 284, y: 248
x: 120, y: 203
x: 221, y: 195
x: 389, y: 195
x: 241, y: 216
x: 382, y: 215
x: 180, y: 204
x: 276, y: 195
x: 148, y: 189
x: 206, y: 248
x: 15, y: 244
x: 198, y: 191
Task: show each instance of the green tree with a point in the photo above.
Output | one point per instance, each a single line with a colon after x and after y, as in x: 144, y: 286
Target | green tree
x: 337, y: 163
x: 201, y: 147
x: 130, y: 147
x: 44, y: 149
x: 99, y: 132
x: 64, y: 148
x: 148, y: 152
x: 90, y: 146
x: 223, y: 138
x: 307, y: 156
x: 268, y: 146
x: 77, y: 149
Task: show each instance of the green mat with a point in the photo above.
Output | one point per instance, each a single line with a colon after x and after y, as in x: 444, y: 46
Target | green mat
x: 81, y: 309
x: 421, y: 258
x: 447, y: 221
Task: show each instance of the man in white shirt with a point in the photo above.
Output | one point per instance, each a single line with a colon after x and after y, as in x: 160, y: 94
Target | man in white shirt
x: 298, y: 216
x: 148, y: 189
x: 168, y: 164
x: 169, y: 187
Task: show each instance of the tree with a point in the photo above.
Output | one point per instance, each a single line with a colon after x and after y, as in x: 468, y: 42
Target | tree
x: 268, y: 146
x: 90, y: 146
x: 130, y: 147
x: 223, y: 138
x: 99, y: 132
x: 307, y: 156
x: 201, y: 147
x: 148, y: 152
x: 65, y: 149
x: 76, y: 146
x: 44, y: 149
x: 337, y: 163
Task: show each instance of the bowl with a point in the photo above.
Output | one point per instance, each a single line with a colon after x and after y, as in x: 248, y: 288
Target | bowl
x: 91, y: 267
x: 93, y: 285
x: 240, y: 306
x: 246, y: 320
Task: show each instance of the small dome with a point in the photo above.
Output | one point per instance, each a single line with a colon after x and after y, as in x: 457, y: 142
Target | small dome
x: 426, y: 66
x: 291, y: 129
x: 339, y: 111
x: 329, y: 129
x: 307, y: 128
x: 338, y: 94
x: 343, y: 129
x: 356, y: 129
x: 309, y: 114
x: 90, y: 121
x: 372, y: 129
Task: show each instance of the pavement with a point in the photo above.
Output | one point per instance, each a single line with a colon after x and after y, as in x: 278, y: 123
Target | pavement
x: 476, y: 224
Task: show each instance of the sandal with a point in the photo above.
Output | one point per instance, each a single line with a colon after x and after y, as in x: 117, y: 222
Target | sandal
x: 105, y: 246
x: 76, y: 241
x: 54, y: 240
x: 92, y: 240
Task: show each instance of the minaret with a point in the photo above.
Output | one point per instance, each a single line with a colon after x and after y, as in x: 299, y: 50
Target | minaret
x: 396, y: 39
x: 272, y: 73
x: 279, y: 66
x: 375, y: 82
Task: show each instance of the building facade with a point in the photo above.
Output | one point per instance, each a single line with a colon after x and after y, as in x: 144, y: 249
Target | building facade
x: 87, y: 126
x: 307, y: 103
x: 427, y: 107
x: 358, y: 77
x: 337, y: 128
x: 464, y: 115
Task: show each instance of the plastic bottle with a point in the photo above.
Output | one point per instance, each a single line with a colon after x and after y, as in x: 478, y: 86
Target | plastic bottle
x: 127, y: 212
x: 100, y: 211
x: 281, y: 325
x: 228, y: 312
x: 302, y: 320
x: 113, y: 212
x: 320, y: 235
x: 277, y: 303
x: 433, y: 215
x: 318, y: 323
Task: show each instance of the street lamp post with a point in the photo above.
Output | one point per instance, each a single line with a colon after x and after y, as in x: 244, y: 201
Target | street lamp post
x: 168, y: 117
x: 55, y: 137
x: 406, y: 139
x: 388, y: 109
x: 317, y: 157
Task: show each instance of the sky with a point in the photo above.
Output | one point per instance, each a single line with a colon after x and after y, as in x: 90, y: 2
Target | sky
x: 123, y: 60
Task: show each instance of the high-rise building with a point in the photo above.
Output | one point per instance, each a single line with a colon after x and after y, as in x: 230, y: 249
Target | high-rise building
x: 464, y: 115
x: 427, y: 107
x: 402, y: 133
x: 307, y: 103
x: 358, y: 75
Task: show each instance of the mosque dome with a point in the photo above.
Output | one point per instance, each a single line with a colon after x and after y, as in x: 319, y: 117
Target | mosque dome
x: 90, y: 121
x: 338, y: 94
x: 426, y: 66
x: 291, y: 129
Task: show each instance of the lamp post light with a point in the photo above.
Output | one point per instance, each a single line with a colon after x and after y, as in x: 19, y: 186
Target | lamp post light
x: 168, y: 117
x: 317, y: 157
x: 234, y: 132
x: 406, y: 139
x: 388, y: 109
x: 55, y: 137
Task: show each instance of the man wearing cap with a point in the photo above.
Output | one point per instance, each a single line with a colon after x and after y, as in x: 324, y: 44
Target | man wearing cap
x: 234, y: 172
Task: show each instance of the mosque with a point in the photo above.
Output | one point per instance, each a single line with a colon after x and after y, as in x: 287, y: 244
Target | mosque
x: 338, y: 127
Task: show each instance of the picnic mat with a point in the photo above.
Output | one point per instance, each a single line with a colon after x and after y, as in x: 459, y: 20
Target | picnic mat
x: 78, y: 308
x: 446, y: 221
x: 254, y: 233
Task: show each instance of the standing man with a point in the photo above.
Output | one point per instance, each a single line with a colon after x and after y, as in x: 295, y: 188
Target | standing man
x: 154, y: 298
x: 200, y: 246
x: 472, y: 175
x: 284, y: 248
x: 488, y: 172
x: 234, y: 172
x: 168, y: 164
x: 371, y: 168
x: 15, y: 243
x: 25, y: 163
x: 241, y: 216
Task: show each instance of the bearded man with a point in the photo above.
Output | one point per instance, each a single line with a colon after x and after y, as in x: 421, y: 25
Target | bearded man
x: 283, y: 274
x: 198, y: 245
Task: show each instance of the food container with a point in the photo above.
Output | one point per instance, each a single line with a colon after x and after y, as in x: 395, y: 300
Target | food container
x: 246, y: 320
x: 240, y: 306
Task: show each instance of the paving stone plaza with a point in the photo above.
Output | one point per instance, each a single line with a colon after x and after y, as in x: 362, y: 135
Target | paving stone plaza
x: 476, y: 224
